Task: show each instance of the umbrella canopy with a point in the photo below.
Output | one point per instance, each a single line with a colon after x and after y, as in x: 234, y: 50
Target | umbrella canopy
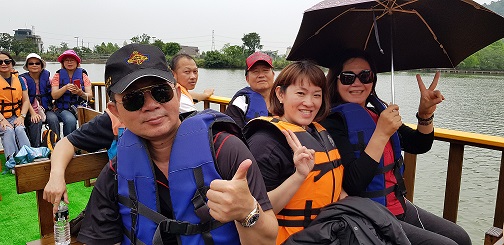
x: 412, y: 33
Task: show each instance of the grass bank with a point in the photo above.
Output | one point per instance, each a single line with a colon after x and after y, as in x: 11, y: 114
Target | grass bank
x: 18, y: 212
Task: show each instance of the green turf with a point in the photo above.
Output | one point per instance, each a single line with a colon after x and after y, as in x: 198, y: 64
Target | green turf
x: 18, y: 212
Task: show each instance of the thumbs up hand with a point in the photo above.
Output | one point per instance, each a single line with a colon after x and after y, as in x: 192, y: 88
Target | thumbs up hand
x: 231, y: 199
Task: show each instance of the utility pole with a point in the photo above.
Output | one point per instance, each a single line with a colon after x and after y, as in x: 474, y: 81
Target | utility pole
x: 77, y: 41
x: 213, y: 41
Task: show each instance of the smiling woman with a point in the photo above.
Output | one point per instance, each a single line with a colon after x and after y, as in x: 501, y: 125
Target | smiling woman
x: 290, y: 144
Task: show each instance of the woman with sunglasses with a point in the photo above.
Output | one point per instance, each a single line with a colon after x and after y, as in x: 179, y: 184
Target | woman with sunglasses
x: 289, y: 145
x: 370, y: 140
x: 39, y: 91
x: 14, y: 104
x: 70, y: 87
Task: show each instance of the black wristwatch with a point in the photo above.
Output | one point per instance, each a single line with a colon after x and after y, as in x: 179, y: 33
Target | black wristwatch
x: 252, y: 217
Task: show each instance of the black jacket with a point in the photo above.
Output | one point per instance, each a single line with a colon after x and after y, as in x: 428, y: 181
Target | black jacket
x: 352, y: 220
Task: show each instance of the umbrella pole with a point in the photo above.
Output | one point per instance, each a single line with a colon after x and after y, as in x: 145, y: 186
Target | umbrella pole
x: 392, y: 89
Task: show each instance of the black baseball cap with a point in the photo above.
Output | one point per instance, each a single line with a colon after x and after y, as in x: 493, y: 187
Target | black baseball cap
x: 133, y: 62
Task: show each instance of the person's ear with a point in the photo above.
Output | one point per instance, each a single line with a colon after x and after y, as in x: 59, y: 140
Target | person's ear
x: 247, y: 79
x: 178, y: 91
x: 279, y: 94
x: 112, y: 107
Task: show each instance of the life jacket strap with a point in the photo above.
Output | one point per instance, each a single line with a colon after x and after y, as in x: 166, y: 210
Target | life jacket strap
x: 306, y: 213
x: 325, y: 168
x: 200, y: 205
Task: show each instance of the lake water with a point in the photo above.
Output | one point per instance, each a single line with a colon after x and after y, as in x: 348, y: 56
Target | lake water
x: 473, y: 103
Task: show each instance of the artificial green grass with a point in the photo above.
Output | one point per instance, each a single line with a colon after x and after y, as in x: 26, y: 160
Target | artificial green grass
x: 18, y: 212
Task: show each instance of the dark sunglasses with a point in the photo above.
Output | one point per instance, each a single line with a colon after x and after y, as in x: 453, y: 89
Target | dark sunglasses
x: 348, y: 77
x: 31, y: 63
x: 134, y: 100
x: 7, y: 61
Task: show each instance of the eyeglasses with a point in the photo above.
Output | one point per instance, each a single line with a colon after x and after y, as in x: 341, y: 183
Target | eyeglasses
x: 134, y: 100
x: 7, y: 61
x: 348, y: 77
x: 33, y: 64
x: 69, y: 60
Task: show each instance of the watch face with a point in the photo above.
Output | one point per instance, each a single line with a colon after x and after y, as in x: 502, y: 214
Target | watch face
x: 253, y: 219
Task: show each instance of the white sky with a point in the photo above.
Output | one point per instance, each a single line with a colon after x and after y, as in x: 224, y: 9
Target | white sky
x: 188, y: 22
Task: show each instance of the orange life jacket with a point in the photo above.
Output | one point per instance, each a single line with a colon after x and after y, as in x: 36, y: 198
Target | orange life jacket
x: 186, y: 92
x: 10, y: 96
x: 321, y: 187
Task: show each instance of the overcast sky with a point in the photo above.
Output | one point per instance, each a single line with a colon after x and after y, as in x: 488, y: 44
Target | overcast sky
x: 188, y: 22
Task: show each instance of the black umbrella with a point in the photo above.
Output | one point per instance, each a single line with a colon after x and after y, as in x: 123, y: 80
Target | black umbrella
x: 409, y: 34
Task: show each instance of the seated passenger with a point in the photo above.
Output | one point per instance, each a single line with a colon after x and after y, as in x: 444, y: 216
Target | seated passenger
x: 39, y: 91
x: 185, y: 71
x: 296, y: 155
x: 144, y: 97
x: 370, y: 139
x: 253, y: 101
x: 13, y: 107
x: 70, y: 87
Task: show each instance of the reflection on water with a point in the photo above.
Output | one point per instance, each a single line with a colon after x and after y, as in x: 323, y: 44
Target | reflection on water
x: 472, y: 103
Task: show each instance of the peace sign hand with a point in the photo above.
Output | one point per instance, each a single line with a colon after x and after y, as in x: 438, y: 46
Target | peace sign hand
x: 304, y: 159
x: 429, y: 98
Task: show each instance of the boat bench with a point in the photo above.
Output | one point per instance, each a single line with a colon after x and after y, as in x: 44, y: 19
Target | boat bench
x: 34, y: 176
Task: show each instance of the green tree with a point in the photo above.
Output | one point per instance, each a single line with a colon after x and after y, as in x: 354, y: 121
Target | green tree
x: 159, y: 43
x: 143, y: 39
x: 5, y: 41
x: 107, y: 49
x: 26, y: 45
x: 214, y: 59
x: 171, y: 48
x: 251, y: 42
x: 234, y: 56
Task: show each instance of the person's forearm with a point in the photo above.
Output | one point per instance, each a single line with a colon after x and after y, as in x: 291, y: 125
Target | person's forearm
x: 376, y: 145
x: 280, y: 196
x: 57, y: 92
x: 198, y: 96
x: 61, y: 157
x: 263, y: 232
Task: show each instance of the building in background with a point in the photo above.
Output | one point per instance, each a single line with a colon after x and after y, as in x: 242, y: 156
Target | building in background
x: 23, y: 34
x: 190, y: 50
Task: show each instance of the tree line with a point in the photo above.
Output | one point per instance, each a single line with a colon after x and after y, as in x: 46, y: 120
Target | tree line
x: 491, y: 58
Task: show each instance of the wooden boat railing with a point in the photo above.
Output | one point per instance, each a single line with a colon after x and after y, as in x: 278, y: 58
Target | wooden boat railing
x: 457, y: 140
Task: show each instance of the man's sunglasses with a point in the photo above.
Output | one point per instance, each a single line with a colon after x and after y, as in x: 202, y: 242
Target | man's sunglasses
x: 134, y: 100
x: 348, y: 77
x: 33, y: 63
x: 7, y: 61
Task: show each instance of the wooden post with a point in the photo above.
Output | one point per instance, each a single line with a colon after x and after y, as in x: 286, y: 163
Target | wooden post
x: 499, y: 204
x: 409, y: 174
x: 453, y: 179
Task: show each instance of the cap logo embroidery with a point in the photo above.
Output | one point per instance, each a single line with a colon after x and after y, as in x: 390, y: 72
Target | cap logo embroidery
x: 137, y: 58
x: 108, y: 82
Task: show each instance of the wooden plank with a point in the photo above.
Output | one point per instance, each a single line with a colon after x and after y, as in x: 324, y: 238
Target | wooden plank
x: 492, y: 235
x: 49, y: 240
x: 409, y: 174
x: 34, y: 176
x: 85, y: 115
x: 45, y: 214
x: 499, y: 204
x: 453, y: 179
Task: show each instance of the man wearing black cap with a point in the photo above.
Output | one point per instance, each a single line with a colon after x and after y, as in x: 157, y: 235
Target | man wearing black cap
x: 251, y: 102
x: 153, y: 173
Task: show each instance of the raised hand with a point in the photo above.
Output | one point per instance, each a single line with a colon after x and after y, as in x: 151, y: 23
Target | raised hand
x: 389, y: 121
x: 429, y: 97
x: 304, y: 159
x: 231, y: 199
